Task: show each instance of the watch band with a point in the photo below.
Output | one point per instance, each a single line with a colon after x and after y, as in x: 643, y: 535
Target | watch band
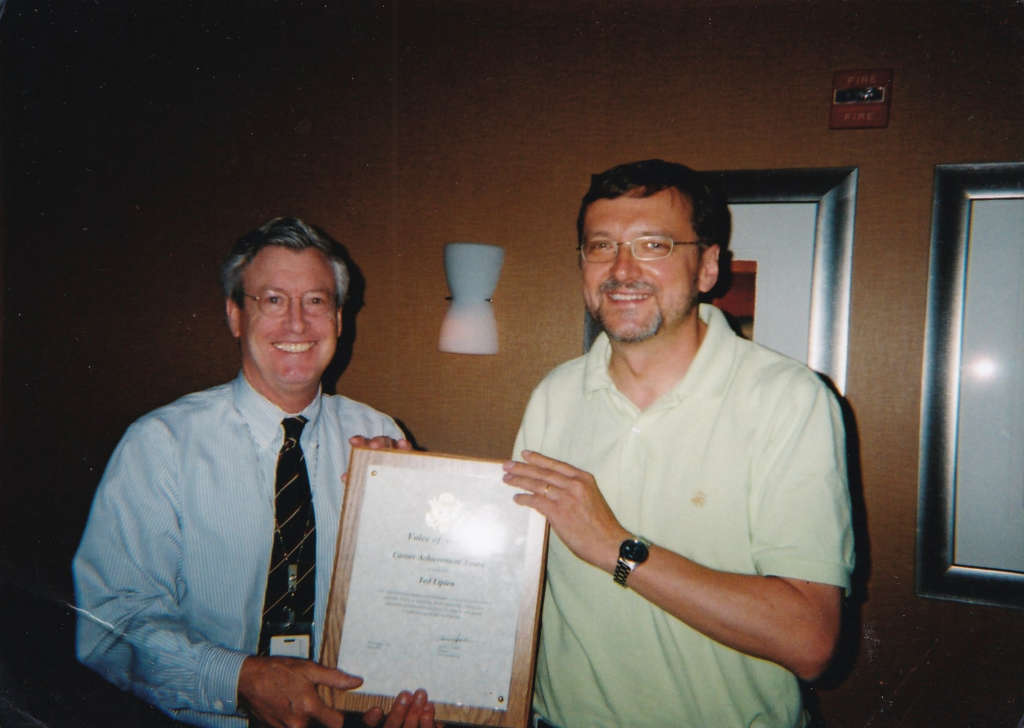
x: 622, y: 572
x: 632, y: 552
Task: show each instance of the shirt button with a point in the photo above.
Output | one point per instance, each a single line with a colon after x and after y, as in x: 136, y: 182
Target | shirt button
x: 636, y: 428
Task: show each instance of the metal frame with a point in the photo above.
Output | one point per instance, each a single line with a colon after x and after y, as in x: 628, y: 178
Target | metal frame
x: 956, y: 187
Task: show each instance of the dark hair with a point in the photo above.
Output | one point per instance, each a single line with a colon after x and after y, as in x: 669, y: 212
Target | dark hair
x: 711, y: 220
x: 287, y: 232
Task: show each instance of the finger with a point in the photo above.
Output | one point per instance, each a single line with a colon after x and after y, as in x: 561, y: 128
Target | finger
x: 531, y: 477
x: 562, y: 468
x: 548, y: 470
x: 329, y: 676
x: 415, y: 714
x: 426, y: 717
x: 527, y: 486
x: 382, y: 442
x: 327, y: 716
x: 548, y: 492
x: 543, y: 506
x: 373, y: 717
x: 532, y: 485
x: 398, y: 710
x: 524, y: 470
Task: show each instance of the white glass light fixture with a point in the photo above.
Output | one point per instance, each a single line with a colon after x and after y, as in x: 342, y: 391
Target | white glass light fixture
x: 472, y: 270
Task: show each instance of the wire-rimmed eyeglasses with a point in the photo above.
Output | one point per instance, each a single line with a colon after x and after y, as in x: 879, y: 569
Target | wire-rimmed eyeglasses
x: 314, y: 303
x: 645, y: 247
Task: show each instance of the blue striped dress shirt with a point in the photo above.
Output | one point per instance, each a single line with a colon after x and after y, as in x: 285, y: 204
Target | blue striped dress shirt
x: 171, y: 571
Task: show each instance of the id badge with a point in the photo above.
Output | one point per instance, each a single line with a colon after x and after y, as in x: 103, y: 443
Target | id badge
x: 289, y: 645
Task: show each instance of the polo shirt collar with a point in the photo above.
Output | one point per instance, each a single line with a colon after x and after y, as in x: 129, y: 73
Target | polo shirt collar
x: 595, y: 365
x: 264, y: 417
x: 708, y: 373
x: 711, y: 369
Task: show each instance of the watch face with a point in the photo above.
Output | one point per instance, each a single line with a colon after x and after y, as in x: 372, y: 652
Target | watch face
x: 633, y: 551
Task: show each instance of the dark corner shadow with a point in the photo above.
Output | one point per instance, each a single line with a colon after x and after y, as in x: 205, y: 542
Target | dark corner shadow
x: 849, y: 639
x: 408, y: 435
x: 354, y: 302
x: 41, y: 682
x: 721, y: 287
x: 724, y: 282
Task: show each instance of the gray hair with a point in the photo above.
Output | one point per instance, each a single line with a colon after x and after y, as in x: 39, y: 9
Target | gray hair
x: 287, y: 232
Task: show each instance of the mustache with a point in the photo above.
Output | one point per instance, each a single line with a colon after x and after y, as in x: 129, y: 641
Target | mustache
x: 611, y: 284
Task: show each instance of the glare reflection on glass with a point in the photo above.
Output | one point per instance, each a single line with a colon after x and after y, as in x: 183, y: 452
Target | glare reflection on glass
x: 983, y: 368
x: 482, y: 534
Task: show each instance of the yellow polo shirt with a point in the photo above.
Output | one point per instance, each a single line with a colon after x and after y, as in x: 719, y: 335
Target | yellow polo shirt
x: 740, y: 467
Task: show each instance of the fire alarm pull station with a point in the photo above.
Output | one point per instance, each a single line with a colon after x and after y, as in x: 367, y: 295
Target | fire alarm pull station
x: 860, y: 99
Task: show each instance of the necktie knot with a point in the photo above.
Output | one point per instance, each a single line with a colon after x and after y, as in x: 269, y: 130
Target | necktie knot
x: 292, y: 430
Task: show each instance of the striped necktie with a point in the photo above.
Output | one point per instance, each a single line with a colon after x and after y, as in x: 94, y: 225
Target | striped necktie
x: 291, y: 580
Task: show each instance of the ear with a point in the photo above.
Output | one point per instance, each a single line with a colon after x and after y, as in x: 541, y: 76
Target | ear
x: 337, y: 320
x: 234, y: 314
x: 707, y: 273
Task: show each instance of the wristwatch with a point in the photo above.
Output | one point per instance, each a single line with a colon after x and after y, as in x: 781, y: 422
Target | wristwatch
x: 632, y: 553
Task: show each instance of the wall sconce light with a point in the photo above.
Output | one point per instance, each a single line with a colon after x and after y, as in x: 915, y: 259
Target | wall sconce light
x: 472, y: 270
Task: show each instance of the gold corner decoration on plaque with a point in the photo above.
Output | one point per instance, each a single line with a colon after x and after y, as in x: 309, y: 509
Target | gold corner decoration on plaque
x: 437, y: 584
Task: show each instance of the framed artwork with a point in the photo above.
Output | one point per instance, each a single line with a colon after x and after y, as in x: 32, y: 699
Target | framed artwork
x: 792, y: 249
x: 970, y: 515
x: 740, y: 300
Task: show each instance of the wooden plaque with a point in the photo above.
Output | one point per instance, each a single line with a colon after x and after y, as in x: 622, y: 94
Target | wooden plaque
x: 437, y: 584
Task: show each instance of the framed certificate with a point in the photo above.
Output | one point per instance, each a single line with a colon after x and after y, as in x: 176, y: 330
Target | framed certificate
x: 437, y: 584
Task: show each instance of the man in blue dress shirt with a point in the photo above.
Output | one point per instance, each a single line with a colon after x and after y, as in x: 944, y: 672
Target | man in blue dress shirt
x: 171, y: 573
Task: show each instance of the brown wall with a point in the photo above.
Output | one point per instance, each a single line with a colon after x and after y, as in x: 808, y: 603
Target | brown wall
x: 137, y: 146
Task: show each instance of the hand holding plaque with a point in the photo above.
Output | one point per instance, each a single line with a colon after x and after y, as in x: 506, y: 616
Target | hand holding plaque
x: 437, y: 585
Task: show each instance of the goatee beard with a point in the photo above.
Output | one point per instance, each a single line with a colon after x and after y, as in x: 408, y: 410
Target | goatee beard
x: 637, y: 335
x: 632, y: 337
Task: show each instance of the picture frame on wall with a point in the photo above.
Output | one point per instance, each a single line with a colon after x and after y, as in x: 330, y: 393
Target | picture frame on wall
x: 793, y: 231
x: 970, y: 516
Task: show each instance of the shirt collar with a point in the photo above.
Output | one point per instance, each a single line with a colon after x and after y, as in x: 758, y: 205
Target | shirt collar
x: 595, y: 366
x: 709, y: 370
x: 264, y: 417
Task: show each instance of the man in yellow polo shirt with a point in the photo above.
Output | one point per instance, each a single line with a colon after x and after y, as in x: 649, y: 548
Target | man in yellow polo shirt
x: 695, y: 483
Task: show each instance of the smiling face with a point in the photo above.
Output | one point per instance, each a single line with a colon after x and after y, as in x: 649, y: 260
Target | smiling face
x: 284, y: 357
x: 638, y: 300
